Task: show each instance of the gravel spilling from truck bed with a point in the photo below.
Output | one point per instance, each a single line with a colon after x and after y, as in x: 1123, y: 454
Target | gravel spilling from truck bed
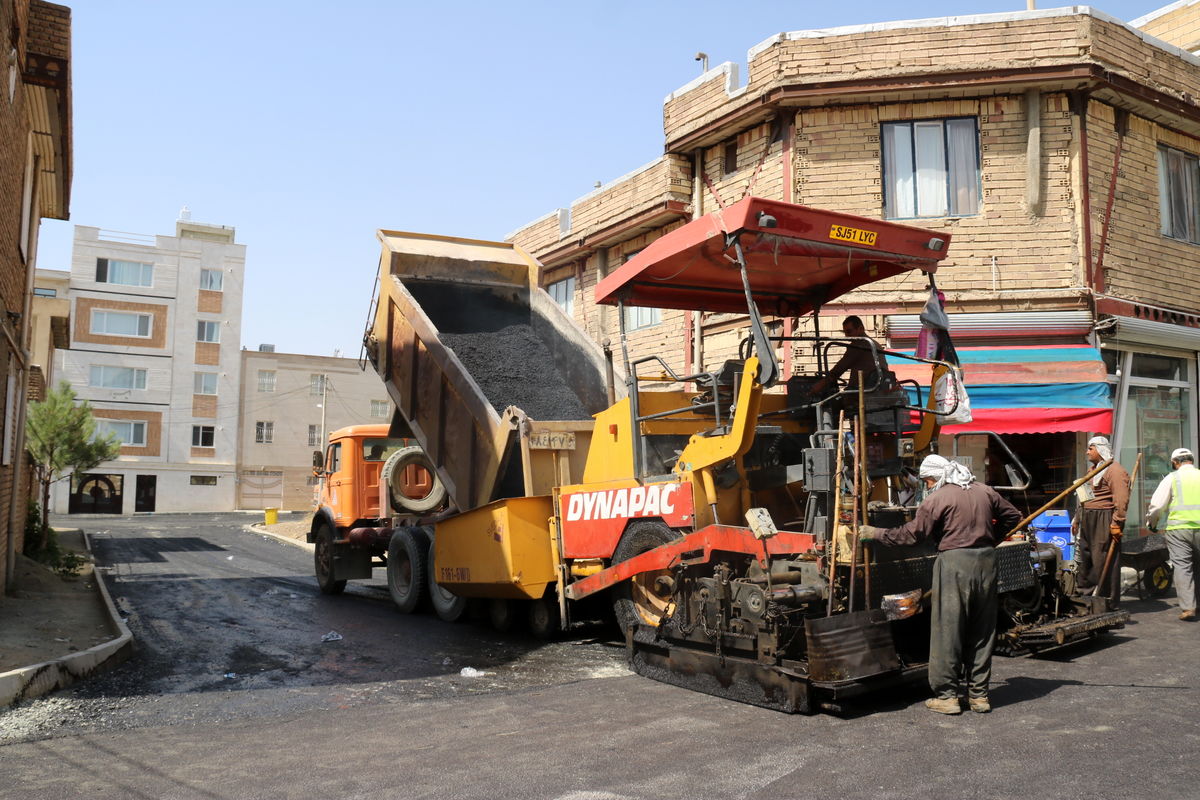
x: 514, y: 367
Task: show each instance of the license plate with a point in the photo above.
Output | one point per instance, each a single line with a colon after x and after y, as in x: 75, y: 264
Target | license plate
x: 855, y: 235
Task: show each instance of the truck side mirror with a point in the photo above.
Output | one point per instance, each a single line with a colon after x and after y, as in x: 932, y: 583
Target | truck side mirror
x: 318, y: 459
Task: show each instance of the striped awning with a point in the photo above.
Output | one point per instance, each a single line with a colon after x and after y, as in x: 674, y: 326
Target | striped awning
x: 1047, y: 389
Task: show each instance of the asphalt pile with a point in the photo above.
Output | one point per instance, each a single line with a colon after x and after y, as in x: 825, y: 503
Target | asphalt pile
x: 514, y: 367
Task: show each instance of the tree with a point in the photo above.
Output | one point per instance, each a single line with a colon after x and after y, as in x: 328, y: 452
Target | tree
x: 60, y: 435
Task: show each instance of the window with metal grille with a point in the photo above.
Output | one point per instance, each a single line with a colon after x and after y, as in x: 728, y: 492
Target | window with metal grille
x: 264, y: 432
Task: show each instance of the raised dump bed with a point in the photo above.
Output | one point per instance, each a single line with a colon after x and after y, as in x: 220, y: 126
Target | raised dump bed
x: 494, y: 380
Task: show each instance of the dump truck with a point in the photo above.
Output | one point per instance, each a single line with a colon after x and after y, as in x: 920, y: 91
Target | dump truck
x: 715, y: 513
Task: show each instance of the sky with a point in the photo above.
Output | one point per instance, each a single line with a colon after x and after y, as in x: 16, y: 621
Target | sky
x: 307, y: 126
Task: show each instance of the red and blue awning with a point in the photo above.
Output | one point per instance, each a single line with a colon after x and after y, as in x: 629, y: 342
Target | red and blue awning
x: 1045, y: 389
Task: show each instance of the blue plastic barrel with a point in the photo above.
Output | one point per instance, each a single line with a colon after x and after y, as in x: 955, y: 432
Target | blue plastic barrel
x: 1054, y: 527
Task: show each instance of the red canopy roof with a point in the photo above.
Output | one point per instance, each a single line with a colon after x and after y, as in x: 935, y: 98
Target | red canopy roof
x: 807, y: 259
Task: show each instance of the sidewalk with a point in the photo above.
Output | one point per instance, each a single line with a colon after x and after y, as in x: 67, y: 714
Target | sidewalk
x: 57, y: 630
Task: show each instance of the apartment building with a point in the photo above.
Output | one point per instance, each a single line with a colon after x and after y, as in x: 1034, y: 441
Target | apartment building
x: 289, y: 405
x: 1059, y: 148
x: 154, y: 343
x: 51, y: 319
x: 35, y: 184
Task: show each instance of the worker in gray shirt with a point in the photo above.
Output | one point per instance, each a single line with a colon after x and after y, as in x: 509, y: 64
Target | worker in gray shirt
x: 967, y: 520
x: 1178, y: 496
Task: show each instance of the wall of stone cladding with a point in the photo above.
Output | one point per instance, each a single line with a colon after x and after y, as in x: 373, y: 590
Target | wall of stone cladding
x: 668, y: 178
x: 759, y: 168
x: 1180, y: 27
x: 1139, y: 262
x: 837, y: 166
x: 541, y: 234
x: 893, y: 52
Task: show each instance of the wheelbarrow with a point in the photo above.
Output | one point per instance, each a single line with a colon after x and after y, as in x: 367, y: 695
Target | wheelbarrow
x: 1148, y: 555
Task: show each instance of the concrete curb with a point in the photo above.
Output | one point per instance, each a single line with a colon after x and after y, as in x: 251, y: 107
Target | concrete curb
x: 25, y: 683
x: 259, y: 529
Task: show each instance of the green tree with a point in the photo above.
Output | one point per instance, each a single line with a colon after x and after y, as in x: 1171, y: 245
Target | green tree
x: 60, y: 435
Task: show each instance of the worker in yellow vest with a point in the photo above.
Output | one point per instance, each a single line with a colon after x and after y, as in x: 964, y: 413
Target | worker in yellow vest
x: 1179, y: 495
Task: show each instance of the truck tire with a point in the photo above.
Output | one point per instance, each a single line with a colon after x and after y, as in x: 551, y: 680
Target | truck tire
x: 638, y: 600
x: 545, y: 619
x: 323, y: 560
x: 502, y: 614
x: 448, y: 606
x: 391, y: 477
x: 407, y: 581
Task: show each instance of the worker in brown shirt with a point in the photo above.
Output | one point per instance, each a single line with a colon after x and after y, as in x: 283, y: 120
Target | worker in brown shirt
x: 1100, y: 522
x: 967, y: 520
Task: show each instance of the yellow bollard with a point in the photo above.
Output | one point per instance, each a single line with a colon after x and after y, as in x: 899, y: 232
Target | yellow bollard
x: 270, y: 516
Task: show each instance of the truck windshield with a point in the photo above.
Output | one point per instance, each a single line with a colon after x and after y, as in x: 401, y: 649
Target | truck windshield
x: 380, y: 449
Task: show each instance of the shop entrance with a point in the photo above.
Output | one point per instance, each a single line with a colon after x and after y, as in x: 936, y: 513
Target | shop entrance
x: 143, y: 495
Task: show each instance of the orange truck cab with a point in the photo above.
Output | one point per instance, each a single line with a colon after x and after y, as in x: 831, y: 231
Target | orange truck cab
x: 364, y: 477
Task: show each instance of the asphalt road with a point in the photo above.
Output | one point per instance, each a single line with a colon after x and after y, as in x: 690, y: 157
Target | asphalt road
x: 387, y: 712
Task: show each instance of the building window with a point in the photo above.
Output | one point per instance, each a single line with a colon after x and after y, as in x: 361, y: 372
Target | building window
x: 127, y: 433
x: 266, y: 380
x: 39, y: 291
x: 126, y: 273
x: 930, y: 168
x: 316, y: 385
x: 204, y: 480
x: 641, y: 317
x: 212, y: 279
x: 208, y: 331
x: 264, y: 432
x: 109, y: 377
x: 381, y: 409
x: 1178, y: 185
x: 314, y: 436
x: 729, y: 161
x: 203, y: 435
x: 205, y: 383
x: 563, y: 293
x: 120, y: 323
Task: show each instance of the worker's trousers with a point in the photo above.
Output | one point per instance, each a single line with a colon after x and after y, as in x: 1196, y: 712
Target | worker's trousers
x: 963, y: 621
x: 1092, y: 549
x: 1183, y: 545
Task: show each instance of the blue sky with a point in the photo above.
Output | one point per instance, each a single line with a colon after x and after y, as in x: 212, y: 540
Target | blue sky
x: 307, y: 125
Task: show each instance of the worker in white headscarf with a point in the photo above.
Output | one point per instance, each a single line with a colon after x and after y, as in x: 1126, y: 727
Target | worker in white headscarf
x: 1100, y: 523
x: 967, y: 520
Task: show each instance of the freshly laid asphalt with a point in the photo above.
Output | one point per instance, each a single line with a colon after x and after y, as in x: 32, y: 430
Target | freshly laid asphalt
x: 1113, y: 718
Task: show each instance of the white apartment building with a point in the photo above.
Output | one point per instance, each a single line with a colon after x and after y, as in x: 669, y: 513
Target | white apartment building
x: 290, y: 404
x: 154, y: 347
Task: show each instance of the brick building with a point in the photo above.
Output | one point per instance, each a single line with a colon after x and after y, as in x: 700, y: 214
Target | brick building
x: 155, y: 335
x: 1059, y: 148
x: 289, y: 405
x: 35, y: 183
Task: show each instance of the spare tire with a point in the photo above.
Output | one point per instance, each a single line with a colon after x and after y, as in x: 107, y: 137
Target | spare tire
x: 392, y: 477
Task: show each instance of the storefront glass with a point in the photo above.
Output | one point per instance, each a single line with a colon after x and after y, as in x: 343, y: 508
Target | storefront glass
x: 1154, y: 395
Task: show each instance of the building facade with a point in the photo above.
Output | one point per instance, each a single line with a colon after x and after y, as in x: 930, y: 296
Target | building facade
x: 35, y: 183
x: 289, y: 405
x: 154, y: 343
x: 1060, y: 150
